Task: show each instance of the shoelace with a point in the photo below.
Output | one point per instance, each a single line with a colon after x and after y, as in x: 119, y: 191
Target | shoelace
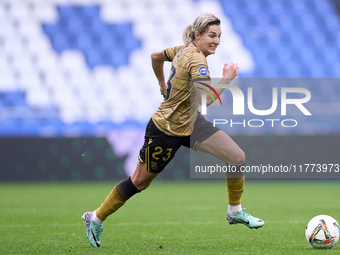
x: 97, y: 229
x: 244, y: 212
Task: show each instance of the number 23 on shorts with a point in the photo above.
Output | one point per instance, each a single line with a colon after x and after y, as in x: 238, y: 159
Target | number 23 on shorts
x: 158, y: 159
x: 159, y: 150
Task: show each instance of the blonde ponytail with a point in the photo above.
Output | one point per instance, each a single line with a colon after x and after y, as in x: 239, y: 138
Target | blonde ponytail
x: 188, y: 35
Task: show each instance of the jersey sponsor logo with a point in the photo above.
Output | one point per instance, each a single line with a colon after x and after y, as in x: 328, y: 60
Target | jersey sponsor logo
x: 203, y: 71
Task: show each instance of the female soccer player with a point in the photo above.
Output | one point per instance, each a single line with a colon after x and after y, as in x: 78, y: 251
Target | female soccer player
x: 169, y: 128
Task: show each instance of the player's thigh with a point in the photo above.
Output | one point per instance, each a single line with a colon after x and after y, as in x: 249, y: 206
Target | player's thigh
x: 223, y: 147
x: 158, y: 149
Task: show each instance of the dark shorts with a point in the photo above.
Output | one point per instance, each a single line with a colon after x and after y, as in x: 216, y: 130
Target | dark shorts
x: 159, y: 149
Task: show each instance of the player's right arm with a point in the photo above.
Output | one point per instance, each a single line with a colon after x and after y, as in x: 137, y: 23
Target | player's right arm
x: 157, y: 60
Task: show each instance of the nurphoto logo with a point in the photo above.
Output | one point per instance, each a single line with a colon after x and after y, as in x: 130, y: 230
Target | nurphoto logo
x: 239, y: 104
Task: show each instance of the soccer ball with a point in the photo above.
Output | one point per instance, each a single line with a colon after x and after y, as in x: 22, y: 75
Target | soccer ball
x: 322, y: 232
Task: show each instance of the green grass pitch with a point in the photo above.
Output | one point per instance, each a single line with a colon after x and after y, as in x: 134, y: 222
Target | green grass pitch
x: 167, y: 218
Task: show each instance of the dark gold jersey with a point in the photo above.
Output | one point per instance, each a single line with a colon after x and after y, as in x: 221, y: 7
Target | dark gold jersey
x: 176, y: 112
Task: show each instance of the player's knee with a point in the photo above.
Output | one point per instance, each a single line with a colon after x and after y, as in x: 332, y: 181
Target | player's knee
x: 239, y: 159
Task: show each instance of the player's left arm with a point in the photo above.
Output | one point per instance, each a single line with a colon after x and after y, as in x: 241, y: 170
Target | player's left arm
x: 157, y: 60
x: 203, y: 85
x: 230, y: 71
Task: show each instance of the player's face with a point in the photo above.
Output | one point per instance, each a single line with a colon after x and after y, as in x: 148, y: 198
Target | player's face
x: 209, y: 41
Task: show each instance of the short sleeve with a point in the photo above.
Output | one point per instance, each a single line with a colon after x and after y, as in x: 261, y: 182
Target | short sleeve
x: 198, y: 67
x: 170, y: 53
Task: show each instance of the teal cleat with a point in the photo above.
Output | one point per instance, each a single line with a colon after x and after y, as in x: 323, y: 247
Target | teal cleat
x: 244, y: 218
x: 93, y: 230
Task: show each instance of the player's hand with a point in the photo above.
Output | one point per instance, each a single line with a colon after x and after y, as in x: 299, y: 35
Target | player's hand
x: 162, y: 88
x: 230, y: 71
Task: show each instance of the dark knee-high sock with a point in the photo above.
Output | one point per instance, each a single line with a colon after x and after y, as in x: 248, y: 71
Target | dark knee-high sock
x: 117, y: 198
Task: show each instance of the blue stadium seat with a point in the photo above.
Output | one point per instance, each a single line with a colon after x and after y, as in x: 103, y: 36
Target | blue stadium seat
x: 280, y: 54
x: 93, y: 58
x: 82, y: 127
x: 319, y: 39
x: 60, y: 42
x: 275, y: 7
x: 72, y: 40
x: 84, y: 42
x: 106, y: 124
x: 285, y: 22
x: 51, y: 29
x: 119, y: 58
x: 66, y: 11
x: 261, y: 19
x: 322, y: 7
x: 44, y: 112
x: 307, y: 22
x: 230, y: 6
x: 336, y: 68
x: 75, y: 25
x: 56, y: 122
x: 107, y: 41
x: 132, y: 44
x: 290, y: 69
x: 13, y: 98
x: 305, y: 55
x: 90, y: 10
x: 332, y: 22
x: 22, y: 112
x: 241, y: 21
x: 305, y: 71
x: 120, y: 40
x: 122, y: 28
x: 330, y: 72
x: 97, y: 25
x: 106, y: 57
x: 295, y: 38
x: 72, y: 33
x: 298, y: 6
x: 252, y: 7
x: 317, y: 70
x: 266, y: 71
x: 10, y: 126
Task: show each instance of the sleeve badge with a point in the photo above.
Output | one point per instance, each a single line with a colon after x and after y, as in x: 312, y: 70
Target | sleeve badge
x: 202, y: 70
